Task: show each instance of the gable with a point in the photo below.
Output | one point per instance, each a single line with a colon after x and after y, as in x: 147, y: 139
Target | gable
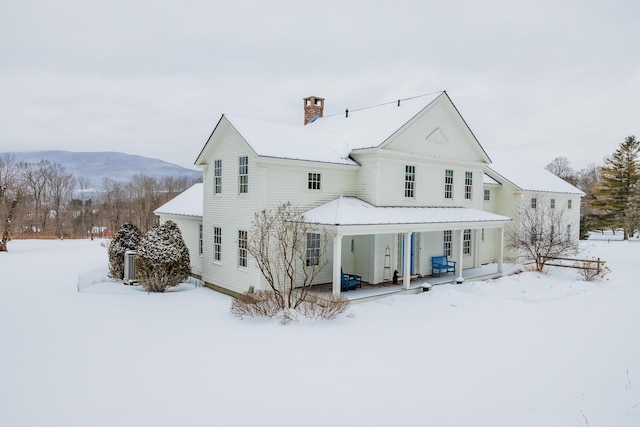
x: 438, y: 131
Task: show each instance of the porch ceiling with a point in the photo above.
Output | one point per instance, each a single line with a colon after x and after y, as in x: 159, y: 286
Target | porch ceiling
x: 350, y: 215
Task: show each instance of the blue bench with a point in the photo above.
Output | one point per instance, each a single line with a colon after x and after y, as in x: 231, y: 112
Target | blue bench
x: 441, y: 263
x: 350, y: 281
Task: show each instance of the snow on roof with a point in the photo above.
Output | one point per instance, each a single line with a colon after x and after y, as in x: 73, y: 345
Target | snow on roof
x: 370, y: 127
x: 528, y: 177
x: 283, y: 141
x: 488, y: 180
x: 187, y: 203
x: 354, y: 211
x: 330, y: 139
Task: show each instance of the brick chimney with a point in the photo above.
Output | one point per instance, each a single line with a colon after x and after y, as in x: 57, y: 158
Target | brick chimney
x: 313, y: 107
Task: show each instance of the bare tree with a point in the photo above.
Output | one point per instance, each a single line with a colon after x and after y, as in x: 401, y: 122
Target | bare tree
x: 540, y: 231
x: 561, y: 168
x: 60, y: 190
x: 289, y: 251
x: 36, y: 177
x: 10, y: 195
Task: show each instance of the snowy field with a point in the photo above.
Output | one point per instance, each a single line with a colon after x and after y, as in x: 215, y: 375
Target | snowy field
x: 525, y: 350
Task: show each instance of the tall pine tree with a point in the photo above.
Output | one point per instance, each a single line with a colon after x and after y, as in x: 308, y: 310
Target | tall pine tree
x: 615, y: 192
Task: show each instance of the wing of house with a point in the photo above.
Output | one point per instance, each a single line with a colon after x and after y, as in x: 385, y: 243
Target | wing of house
x: 186, y: 211
x: 521, y: 182
x: 393, y: 185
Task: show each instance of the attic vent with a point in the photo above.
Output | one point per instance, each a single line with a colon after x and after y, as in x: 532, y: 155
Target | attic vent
x: 437, y: 136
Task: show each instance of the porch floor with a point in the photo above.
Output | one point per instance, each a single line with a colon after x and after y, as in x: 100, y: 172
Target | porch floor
x: 416, y: 285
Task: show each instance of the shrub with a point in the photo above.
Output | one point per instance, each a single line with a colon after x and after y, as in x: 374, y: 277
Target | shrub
x: 163, y: 258
x: 589, y: 270
x: 126, y: 238
x: 265, y: 303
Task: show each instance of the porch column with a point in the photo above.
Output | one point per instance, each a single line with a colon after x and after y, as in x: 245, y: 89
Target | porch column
x: 460, y: 279
x: 337, y: 263
x: 500, y: 249
x: 406, y: 274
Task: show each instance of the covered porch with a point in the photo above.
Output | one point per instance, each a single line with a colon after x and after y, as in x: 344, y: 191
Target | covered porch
x: 350, y: 217
x: 417, y: 285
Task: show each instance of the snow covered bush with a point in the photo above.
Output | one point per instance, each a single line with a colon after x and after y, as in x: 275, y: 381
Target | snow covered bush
x: 126, y: 238
x: 162, y: 260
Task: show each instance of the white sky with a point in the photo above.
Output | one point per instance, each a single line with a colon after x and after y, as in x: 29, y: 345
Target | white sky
x: 540, y: 79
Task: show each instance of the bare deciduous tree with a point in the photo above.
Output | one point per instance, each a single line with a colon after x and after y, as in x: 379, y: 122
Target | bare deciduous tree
x: 540, y: 231
x: 289, y: 252
x: 10, y: 195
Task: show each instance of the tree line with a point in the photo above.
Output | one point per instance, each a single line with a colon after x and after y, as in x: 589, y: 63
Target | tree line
x: 44, y: 200
x: 612, y: 200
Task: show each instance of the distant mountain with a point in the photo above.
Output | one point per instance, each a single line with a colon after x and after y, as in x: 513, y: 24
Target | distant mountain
x: 118, y: 166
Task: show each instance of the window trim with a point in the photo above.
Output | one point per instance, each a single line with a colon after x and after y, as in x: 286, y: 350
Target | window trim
x: 410, y: 181
x: 534, y: 203
x: 243, y: 175
x: 200, y: 239
x: 314, y: 181
x: 243, y: 253
x: 312, y: 255
x: 466, y: 242
x: 447, y: 239
x: 217, y: 176
x: 448, y: 184
x: 468, y: 185
x: 487, y: 195
x: 217, y: 244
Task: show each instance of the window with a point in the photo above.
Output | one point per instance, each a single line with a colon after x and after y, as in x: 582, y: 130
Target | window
x: 448, y: 184
x: 482, y: 235
x: 466, y: 242
x: 217, y: 243
x: 569, y: 204
x: 487, y: 195
x: 200, y: 241
x: 468, y: 185
x: 313, y: 249
x: 242, y: 248
x: 553, y: 203
x: 569, y: 231
x: 243, y: 175
x: 446, y: 250
x: 534, y: 203
x: 314, y: 181
x: 409, y: 181
x: 217, y: 176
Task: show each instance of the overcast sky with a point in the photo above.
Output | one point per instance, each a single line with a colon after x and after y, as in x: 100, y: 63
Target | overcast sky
x: 541, y: 79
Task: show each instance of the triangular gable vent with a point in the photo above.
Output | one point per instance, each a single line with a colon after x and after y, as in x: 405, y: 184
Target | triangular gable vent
x: 437, y: 137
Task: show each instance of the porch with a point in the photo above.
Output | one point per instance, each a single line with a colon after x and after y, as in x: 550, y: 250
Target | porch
x: 418, y: 284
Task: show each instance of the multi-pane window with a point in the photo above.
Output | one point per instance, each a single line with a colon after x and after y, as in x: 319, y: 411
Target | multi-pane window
x: 200, y: 241
x: 468, y: 185
x: 569, y: 231
x: 446, y: 250
x: 448, y: 184
x: 217, y: 243
x: 466, y: 242
x: 313, y: 249
x: 487, y: 195
x: 315, y: 179
x: 553, y: 203
x: 534, y: 203
x: 569, y: 204
x: 243, y: 175
x: 409, y: 181
x: 482, y: 235
x: 217, y: 176
x: 242, y: 248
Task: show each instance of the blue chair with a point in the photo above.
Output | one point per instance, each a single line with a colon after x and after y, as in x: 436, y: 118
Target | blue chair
x: 350, y: 281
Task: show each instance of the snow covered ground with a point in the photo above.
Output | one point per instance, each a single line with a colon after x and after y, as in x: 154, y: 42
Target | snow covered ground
x: 524, y: 350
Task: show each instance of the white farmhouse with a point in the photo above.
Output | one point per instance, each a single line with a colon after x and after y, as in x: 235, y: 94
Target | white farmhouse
x: 393, y: 185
